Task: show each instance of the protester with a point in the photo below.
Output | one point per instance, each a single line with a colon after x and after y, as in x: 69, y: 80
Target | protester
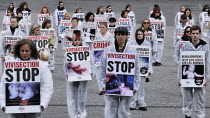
x: 131, y: 15
x: 25, y: 50
x: 179, y: 14
x: 186, y: 37
x: 89, y: 17
x: 103, y: 35
x: 195, y: 93
x: 59, y: 12
x: 190, y: 18
x: 138, y: 99
x: 35, y: 30
x: 157, y: 17
x: 150, y: 35
x: 179, y: 30
x: 77, y: 90
x: 118, y: 106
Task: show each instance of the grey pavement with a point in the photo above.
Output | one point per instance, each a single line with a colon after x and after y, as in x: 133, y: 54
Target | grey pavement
x: 163, y: 95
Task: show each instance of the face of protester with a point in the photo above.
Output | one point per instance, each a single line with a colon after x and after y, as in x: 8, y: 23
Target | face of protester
x: 103, y: 28
x: 44, y: 10
x: 206, y: 9
x: 121, y: 38
x: 79, y: 11
x: 146, y: 24
x: 61, y: 5
x: 126, y: 15
x: 109, y: 9
x: 74, y: 23
x: 36, y: 31
x: 66, y: 17
x: 14, y: 22
x: 101, y: 9
x: 184, y: 20
x: 128, y: 9
x: 195, y: 34
x: 140, y: 35
x: 77, y: 42
x: 48, y: 25
x: 25, y: 6
x: 157, y: 13
x: 112, y: 23
x: 9, y: 13
x: 20, y: 15
x: 91, y: 18
x: 11, y: 6
x: 183, y: 8
x: 188, y: 32
x: 25, y: 52
x: 187, y: 12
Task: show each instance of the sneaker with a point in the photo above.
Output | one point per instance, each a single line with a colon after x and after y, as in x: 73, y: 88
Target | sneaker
x: 101, y: 93
x: 187, y: 116
x: 143, y: 108
x: 158, y: 64
x: 132, y: 108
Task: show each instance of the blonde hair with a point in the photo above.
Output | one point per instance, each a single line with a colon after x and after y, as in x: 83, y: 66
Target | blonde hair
x: 67, y: 14
x: 33, y: 27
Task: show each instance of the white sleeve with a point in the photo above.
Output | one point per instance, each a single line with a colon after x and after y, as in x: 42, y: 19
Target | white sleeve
x: 103, y: 62
x: 46, y: 85
x: 177, y: 52
x: 2, y: 90
x: 155, y: 41
x: 175, y: 37
x: 176, y: 19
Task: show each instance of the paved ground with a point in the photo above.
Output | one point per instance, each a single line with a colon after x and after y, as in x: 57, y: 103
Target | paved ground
x: 162, y: 92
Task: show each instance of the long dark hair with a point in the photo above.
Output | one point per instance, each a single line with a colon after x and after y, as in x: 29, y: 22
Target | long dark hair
x: 123, y: 13
x: 19, y: 44
x: 45, y: 23
x: 136, y: 35
x: 98, y: 10
x: 205, y: 6
x: 88, y: 15
x: 156, y: 9
x: 190, y: 16
x: 107, y: 8
x: 185, y: 37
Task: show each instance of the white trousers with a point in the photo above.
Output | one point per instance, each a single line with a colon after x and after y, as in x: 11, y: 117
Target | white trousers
x: 198, y: 96
x: 138, y: 98
x: 76, y: 99
x: 117, y: 106
x: 158, y: 56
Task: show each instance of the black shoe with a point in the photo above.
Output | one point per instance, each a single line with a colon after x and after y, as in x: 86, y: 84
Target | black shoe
x: 154, y: 64
x: 132, y: 108
x: 187, y: 116
x: 101, y: 93
x: 59, y: 41
x: 143, y: 108
x: 158, y: 64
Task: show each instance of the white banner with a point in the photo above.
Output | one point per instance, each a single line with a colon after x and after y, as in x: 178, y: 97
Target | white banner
x: 192, y: 68
x: 22, y: 82
x: 77, y: 63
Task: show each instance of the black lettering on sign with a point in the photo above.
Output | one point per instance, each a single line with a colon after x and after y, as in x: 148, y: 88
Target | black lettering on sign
x: 77, y: 56
x: 28, y: 74
x: 123, y: 66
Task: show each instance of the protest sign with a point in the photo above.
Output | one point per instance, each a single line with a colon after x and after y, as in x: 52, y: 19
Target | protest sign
x: 41, y: 18
x: 109, y: 15
x: 89, y: 31
x: 77, y: 63
x: 59, y: 16
x: 120, y: 73
x: 80, y: 16
x: 192, y: 68
x: 144, y: 53
x: 98, y: 48
x: 6, y: 23
x: 125, y: 22
x: 50, y: 33
x: 9, y: 43
x: 42, y: 44
x: 22, y: 87
x: 159, y: 27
